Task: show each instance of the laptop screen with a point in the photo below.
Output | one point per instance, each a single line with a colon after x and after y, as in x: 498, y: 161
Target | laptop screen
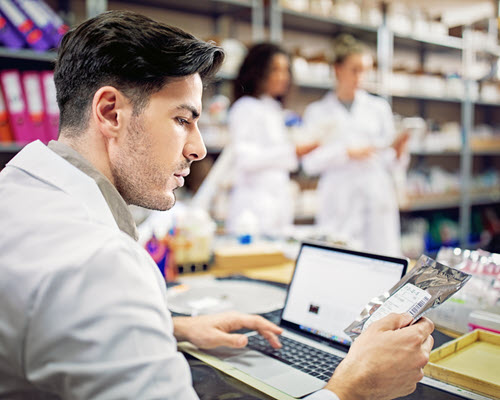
x: 331, y: 286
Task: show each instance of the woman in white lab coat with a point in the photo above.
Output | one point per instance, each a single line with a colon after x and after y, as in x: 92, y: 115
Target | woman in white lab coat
x: 264, y: 155
x: 359, y: 152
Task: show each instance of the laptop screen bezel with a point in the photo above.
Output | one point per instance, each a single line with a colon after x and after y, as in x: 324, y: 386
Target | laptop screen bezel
x: 295, y: 327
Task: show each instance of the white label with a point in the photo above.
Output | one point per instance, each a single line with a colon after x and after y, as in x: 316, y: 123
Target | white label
x: 50, y: 94
x: 33, y: 94
x: 10, y: 10
x: 32, y: 9
x: 13, y: 92
x: 408, y: 299
x: 53, y: 17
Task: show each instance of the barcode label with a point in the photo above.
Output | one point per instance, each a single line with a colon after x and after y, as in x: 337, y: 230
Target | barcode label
x: 417, y: 307
x: 409, y: 298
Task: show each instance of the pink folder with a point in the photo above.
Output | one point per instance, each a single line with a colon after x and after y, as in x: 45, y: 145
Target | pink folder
x: 16, y: 107
x: 34, y: 104
x: 50, y: 105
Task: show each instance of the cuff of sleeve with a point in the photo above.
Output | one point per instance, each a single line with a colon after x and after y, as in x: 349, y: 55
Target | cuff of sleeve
x: 323, y: 394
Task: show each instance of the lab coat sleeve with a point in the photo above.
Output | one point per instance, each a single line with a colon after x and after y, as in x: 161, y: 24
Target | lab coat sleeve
x: 100, y: 331
x: 322, y: 395
x: 252, y: 150
x: 328, y: 155
x: 324, y: 157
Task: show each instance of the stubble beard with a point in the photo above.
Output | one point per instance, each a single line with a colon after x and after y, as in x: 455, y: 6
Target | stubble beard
x: 136, y: 176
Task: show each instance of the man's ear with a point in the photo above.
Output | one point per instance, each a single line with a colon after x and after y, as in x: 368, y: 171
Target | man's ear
x: 110, y: 111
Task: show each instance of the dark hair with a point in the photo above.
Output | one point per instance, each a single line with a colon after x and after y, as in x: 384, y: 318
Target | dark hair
x: 255, y: 70
x: 346, y: 45
x: 129, y: 51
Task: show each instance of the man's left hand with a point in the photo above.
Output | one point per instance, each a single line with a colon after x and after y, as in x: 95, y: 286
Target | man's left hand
x: 209, y: 331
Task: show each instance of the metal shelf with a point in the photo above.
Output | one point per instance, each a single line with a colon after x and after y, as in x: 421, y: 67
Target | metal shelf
x: 455, y: 153
x: 449, y: 201
x: 202, y: 7
x: 311, y: 23
x: 486, y: 103
x: 436, y: 44
x: 26, y: 54
x: 10, y: 147
x: 427, y: 98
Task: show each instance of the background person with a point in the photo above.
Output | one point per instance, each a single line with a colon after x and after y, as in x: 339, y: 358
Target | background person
x: 83, y: 307
x: 356, y: 193
x: 264, y: 155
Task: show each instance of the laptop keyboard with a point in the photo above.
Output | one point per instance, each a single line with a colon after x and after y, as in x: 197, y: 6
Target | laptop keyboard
x: 308, y: 359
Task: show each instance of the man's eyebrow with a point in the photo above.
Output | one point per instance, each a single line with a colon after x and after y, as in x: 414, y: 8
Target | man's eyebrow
x: 194, y: 112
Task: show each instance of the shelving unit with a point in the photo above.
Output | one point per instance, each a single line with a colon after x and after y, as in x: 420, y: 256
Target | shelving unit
x: 251, y: 11
x: 386, y: 43
x: 22, y: 59
x: 269, y: 19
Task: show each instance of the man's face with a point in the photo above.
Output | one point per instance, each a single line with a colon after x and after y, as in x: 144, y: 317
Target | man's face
x: 159, y: 146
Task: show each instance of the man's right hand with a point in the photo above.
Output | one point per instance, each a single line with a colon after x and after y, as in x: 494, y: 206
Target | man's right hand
x: 386, y: 361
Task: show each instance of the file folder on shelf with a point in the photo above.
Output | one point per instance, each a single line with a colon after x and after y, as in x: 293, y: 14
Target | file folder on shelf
x: 38, y: 13
x: 50, y: 105
x: 34, y: 105
x: 9, y: 36
x: 5, y: 132
x: 16, y: 108
x: 59, y: 28
x: 31, y: 34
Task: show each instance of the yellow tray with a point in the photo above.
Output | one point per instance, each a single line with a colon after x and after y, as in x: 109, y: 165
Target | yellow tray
x: 472, y: 361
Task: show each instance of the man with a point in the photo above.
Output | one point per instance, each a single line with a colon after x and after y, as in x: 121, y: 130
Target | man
x: 83, y: 311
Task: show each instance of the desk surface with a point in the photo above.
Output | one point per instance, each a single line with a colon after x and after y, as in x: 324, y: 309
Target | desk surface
x: 213, y: 384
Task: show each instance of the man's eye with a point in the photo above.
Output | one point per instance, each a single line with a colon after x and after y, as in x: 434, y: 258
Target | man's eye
x: 182, y: 121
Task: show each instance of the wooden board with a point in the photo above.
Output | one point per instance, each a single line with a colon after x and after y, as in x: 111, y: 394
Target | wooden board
x: 472, y: 361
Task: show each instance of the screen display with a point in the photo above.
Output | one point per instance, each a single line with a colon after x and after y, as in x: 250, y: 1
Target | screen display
x: 330, y: 288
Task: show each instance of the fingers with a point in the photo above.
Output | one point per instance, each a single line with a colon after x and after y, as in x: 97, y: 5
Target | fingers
x: 428, y: 343
x: 392, y: 322
x: 259, y: 324
x: 272, y: 339
x: 234, y: 340
x: 426, y: 325
x: 265, y: 328
x: 236, y: 320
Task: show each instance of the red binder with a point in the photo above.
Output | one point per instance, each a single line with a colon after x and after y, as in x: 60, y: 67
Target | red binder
x: 5, y: 132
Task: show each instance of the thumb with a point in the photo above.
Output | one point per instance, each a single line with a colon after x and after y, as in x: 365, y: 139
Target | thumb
x: 234, y: 340
x: 393, y: 322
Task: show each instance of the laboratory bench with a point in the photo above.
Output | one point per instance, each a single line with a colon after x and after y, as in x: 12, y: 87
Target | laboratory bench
x: 212, y: 384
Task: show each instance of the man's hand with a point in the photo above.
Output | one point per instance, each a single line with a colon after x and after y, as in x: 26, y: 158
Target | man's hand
x: 386, y: 361
x: 209, y: 331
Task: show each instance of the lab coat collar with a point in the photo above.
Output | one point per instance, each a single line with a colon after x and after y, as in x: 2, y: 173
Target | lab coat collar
x: 39, y: 161
x: 271, y: 100
x: 332, y: 98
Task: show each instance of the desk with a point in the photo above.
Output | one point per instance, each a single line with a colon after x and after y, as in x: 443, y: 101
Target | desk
x: 212, y: 384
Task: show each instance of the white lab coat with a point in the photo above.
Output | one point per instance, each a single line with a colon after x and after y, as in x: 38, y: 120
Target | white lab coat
x: 356, y: 199
x: 263, y: 158
x: 83, y: 312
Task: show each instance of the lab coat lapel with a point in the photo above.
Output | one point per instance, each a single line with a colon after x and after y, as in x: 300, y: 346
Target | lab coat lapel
x: 39, y: 161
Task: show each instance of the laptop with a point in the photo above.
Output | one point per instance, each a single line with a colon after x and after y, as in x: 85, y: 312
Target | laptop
x: 329, y: 288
